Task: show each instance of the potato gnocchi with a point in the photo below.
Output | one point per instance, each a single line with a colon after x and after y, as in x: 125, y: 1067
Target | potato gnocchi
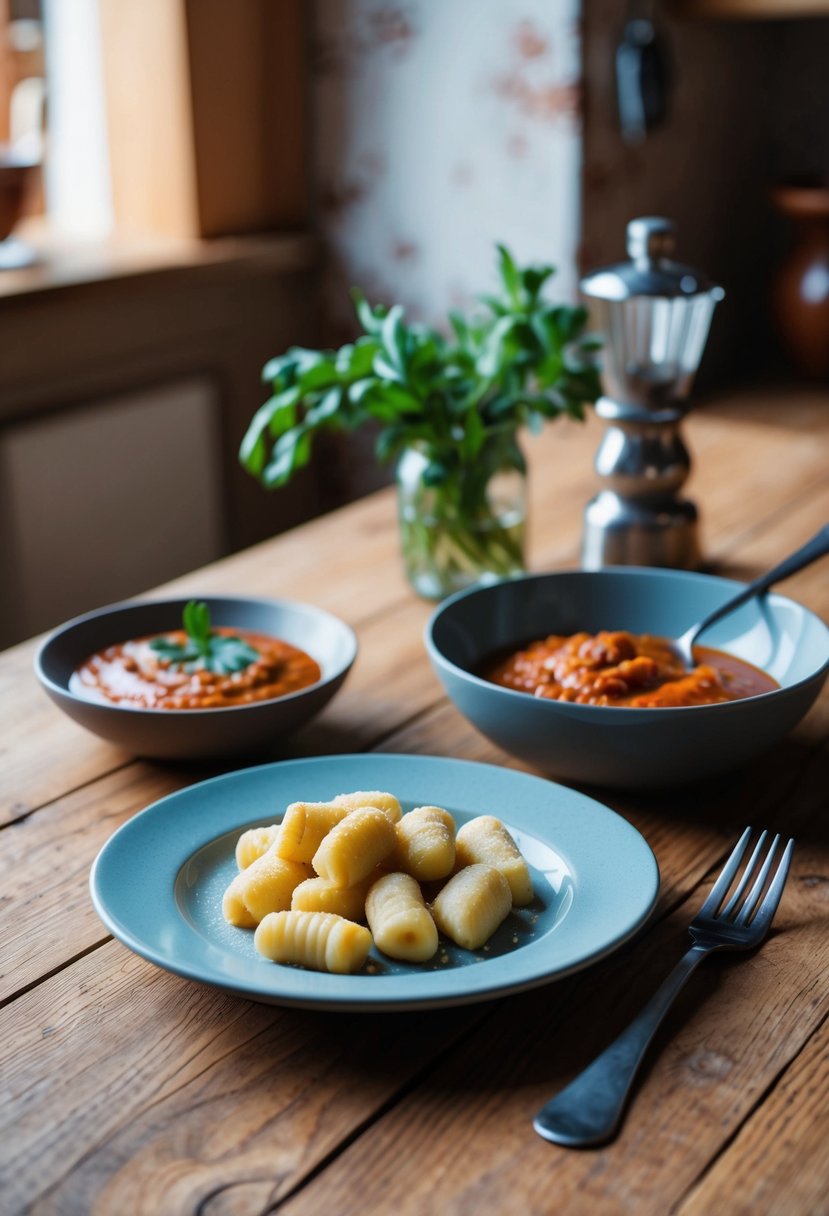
x: 309, y: 884
x: 400, y: 922
x: 486, y: 840
x: 320, y: 940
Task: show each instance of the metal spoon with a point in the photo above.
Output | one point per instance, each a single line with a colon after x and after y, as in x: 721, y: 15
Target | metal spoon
x: 817, y: 547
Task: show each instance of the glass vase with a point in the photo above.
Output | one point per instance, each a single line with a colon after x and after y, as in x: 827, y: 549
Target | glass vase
x: 461, y: 523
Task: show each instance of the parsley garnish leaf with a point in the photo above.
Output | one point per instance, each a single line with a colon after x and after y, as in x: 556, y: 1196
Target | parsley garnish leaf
x: 204, y: 649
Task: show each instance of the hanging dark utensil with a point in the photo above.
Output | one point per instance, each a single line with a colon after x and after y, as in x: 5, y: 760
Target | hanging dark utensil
x: 641, y: 75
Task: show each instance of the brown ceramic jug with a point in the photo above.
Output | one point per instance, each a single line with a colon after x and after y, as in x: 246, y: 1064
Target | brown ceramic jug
x: 800, y: 294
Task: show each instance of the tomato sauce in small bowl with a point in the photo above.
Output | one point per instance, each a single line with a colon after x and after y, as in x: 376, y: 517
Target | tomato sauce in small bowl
x: 133, y: 673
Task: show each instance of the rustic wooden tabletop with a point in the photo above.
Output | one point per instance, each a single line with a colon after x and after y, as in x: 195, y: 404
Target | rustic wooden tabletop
x: 126, y: 1089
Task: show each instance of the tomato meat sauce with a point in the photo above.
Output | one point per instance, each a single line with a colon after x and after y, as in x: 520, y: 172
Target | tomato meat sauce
x: 625, y: 669
x: 134, y: 674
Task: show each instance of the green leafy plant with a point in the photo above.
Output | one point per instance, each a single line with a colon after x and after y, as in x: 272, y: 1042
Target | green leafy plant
x: 516, y: 361
x: 521, y: 362
x: 204, y: 649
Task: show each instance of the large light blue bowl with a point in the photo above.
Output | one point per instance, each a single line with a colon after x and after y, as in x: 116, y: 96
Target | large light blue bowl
x: 628, y: 748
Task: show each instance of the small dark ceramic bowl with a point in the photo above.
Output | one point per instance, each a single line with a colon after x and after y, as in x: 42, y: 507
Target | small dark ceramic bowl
x: 628, y: 748
x: 193, y: 734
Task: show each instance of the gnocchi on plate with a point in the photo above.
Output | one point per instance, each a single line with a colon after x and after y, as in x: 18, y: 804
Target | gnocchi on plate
x: 334, y: 878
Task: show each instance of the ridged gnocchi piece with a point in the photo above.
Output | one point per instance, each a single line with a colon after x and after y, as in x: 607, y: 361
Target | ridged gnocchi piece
x: 360, y: 798
x: 322, y: 895
x: 304, y: 827
x: 234, y: 908
x: 400, y: 922
x: 319, y: 940
x: 253, y: 843
x: 485, y: 840
x: 353, y: 848
x: 426, y: 843
x: 268, y: 884
x: 472, y: 905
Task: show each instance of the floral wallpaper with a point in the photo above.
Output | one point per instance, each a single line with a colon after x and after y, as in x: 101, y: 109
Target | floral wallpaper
x: 443, y: 126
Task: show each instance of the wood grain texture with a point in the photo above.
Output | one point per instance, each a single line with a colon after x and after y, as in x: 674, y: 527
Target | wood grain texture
x: 129, y: 1090
x: 776, y: 1165
x: 42, y: 753
x: 719, y: 1051
x: 126, y: 1089
x: 46, y: 915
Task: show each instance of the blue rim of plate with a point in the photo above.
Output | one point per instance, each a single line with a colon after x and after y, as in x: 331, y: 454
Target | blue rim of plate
x: 157, y: 882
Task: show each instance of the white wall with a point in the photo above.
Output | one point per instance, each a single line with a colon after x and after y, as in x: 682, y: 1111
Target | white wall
x: 444, y: 126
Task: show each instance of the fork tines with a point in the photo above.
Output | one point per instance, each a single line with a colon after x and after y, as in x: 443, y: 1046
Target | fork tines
x: 740, y: 914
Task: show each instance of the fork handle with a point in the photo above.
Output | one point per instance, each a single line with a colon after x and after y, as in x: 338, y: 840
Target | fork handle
x: 590, y: 1109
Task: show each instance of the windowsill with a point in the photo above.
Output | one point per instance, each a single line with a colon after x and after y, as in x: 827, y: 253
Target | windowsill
x: 62, y: 261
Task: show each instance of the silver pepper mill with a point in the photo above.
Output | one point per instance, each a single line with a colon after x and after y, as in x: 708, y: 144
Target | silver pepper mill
x: 654, y: 316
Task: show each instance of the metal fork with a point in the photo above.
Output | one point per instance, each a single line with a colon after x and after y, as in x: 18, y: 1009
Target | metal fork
x: 590, y: 1109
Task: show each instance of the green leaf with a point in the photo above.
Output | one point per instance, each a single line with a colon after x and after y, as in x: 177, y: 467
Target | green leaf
x: 196, y: 618
x: 509, y: 273
x: 253, y: 452
x: 319, y: 375
x: 354, y: 362
x: 460, y: 327
x: 229, y: 654
x: 473, y: 435
x: 496, y: 348
x: 513, y: 455
x: 204, y: 649
x: 550, y: 369
x: 289, y: 454
x: 175, y: 652
x: 569, y: 321
x: 386, y: 370
x: 395, y: 397
x: 357, y: 391
x: 389, y: 442
x: 435, y: 473
x: 495, y: 305
x: 393, y: 335
x: 275, y: 368
x: 370, y: 318
x: 283, y: 411
x: 534, y: 278
x: 305, y: 359
x: 302, y: 450
x: 277, y: 415
x: 325, y: 408
x: 382, y: 407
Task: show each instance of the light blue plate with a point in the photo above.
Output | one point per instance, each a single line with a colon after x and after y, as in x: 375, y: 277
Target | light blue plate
x: 158, y: 882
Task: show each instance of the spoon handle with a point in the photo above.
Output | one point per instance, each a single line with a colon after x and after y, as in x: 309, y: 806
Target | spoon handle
x: 817, y: 547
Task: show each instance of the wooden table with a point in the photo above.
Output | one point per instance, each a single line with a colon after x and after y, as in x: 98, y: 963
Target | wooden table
x: 127, y: 1090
